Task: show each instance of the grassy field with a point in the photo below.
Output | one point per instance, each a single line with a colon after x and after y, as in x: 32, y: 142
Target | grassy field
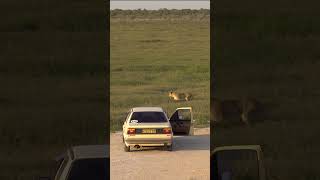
x: 272, y: 55
x: 152, y: 55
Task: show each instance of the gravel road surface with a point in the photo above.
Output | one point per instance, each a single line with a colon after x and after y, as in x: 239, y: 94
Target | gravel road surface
x: 189, y: 159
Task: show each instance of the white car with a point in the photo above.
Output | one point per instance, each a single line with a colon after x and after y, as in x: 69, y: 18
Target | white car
x: 150, y: 127
x: 147, y: 126
x: 238, y: 162
x: 83, y: 163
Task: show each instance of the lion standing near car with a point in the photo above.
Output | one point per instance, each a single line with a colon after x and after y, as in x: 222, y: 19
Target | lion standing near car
x: 249, y: 105
x: 180, y: 96
x: 226, y: 111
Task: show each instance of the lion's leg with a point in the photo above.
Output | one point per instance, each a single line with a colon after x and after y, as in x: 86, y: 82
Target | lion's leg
x: 244, y: 118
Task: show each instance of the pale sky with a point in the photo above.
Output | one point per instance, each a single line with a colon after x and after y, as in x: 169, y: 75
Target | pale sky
x: 158, y: 4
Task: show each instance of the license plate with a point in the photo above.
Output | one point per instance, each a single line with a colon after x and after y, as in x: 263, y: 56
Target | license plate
x: 149, y: 131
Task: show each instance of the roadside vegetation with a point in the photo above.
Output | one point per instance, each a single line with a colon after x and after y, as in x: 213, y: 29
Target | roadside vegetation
x: 161, y: 14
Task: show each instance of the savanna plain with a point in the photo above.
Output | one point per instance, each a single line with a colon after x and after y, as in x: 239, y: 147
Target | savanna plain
x: 153, y: 53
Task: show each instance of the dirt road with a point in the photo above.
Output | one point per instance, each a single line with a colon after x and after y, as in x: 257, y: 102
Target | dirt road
x: 189, y: 159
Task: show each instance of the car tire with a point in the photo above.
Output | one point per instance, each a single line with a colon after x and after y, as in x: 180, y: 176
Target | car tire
x: 191, y: 132
x: 187, y: 133
x: 126, y: 148
x: 170, y: 148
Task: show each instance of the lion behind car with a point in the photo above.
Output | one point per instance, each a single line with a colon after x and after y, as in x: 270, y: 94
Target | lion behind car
x: 180, y: 96
x: 233, y: 110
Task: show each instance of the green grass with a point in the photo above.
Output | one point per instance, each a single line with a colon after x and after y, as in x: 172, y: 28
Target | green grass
x: 273, y: 57
x: 153, y: 56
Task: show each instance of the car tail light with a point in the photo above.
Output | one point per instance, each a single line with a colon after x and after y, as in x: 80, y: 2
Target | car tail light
x: 131, y: 131
x: 166, y: 130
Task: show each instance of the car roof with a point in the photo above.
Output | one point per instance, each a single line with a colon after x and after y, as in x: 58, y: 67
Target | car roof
x: 89, y: 151
x: 237, y: 147
x: 142, y: 109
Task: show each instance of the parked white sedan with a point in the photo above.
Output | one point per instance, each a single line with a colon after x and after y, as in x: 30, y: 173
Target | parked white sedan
x: 147, y: 126
x: 150, y: 127
x: 82, y: 163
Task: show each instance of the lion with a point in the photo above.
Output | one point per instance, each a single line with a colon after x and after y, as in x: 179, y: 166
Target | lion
x: 249, y: 106
x: 234, y: 110
x: 180, y: 96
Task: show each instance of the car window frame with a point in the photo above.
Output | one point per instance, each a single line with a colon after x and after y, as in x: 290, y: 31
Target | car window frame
x: 176, y: 113
x: 128, y: 117
x: 62, y: 167
x: 165, y: 113
x: 226, y: 150
x: 57, y: 166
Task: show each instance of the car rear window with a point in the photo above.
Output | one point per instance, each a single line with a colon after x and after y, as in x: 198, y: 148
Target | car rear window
x: 89, y: 169
x: 148, y: 117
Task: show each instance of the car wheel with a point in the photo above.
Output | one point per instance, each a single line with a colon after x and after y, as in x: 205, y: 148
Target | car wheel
x: 191, y: 131
x: 169, y: 148
x: 126, y: 148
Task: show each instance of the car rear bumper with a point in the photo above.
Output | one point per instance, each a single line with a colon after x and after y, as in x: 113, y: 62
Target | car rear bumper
x: 149, y: 140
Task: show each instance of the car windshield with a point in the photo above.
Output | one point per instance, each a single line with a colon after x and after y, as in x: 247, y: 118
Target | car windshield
x: 148, y: 117
x: 236, y: 165
x: 89, y: 169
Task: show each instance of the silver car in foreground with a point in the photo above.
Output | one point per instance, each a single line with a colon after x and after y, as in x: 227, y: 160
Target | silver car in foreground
x: 83, y: 163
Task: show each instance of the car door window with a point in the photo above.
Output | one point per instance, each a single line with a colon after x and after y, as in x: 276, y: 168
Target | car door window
x: 184, y: 114
x: 181, y: 115
x: 175, y: 116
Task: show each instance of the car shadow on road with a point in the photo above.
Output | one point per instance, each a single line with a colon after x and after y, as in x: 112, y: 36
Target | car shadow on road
x: 199, y: 142
x: 183, y: 143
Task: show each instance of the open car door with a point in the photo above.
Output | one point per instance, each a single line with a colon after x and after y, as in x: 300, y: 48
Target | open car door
x: 182, y: 121
x: 237, y: 163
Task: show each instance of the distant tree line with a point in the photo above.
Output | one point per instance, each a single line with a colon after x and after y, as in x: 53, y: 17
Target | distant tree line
x: 160, y: 14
